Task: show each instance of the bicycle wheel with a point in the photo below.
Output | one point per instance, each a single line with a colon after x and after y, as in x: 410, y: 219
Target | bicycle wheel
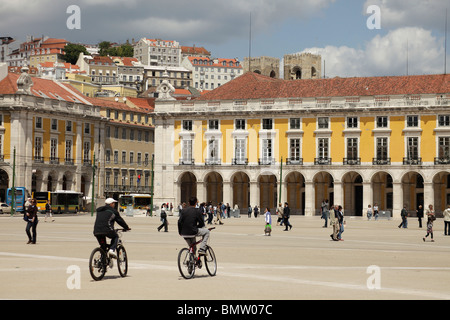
x: 186, y: 263
x: 97, y: 264
x: 122, y: 261
x: 210, y: 261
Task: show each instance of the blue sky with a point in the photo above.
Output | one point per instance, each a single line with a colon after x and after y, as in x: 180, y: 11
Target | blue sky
x: 336, y: 29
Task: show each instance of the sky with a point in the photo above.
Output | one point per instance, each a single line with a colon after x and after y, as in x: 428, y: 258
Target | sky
x: 395, y: 37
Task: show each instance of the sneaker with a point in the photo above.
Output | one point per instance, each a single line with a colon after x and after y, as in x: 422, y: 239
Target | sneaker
x: 112, y: 253
x: 201, y: 252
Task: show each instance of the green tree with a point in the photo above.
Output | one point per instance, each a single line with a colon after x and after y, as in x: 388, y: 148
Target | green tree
x: 72, y: 52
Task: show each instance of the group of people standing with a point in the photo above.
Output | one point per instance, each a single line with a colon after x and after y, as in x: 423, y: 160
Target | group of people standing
x: 336, y: 215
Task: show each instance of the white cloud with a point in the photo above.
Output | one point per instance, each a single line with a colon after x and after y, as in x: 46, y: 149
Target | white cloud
x: 387, y: 55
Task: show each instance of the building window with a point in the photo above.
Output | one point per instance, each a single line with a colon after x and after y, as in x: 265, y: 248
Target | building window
x: 213, y: 151
x: 187, y: 125
x: 38, y: 122
x: 382, y: 122
x: 267, y: 124
x: 444, y: 148
x: 38, y: 148
x: 352, y: 122
x: 382, y: 148
x: 68, y: 126
x: 54, y: 125
x: 86, y: 151
x: 352, y: 148
x: 294, y: 148
x: 412, y: 148
x: 322, y: 122
x: 107, y: 156
x: 267, y: 151
x: 116, y: 157
x: 53, y: 148
x: 213, y: 125
x: 444, y: 121
x: 124, y: 157
x: 322, y: 151
x: 412, y: 121
x: 239, y: 151
x: 239, y: 124
x: 186, y: 156
x: 131, y: 157
x: 68, y: 150
x: 295, y: 123
x: 87, y: 128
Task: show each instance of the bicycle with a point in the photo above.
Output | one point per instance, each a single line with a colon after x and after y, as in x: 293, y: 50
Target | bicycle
x: 188, y: 260
x: 99, y: 260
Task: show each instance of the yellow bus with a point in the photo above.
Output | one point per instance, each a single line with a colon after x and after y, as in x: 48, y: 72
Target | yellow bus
x: 42, y: 198
x: 138, y: 203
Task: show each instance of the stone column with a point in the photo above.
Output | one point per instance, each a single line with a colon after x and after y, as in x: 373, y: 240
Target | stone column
x: 367, y: 196
x: 310, y: 201
x: 397, y: 190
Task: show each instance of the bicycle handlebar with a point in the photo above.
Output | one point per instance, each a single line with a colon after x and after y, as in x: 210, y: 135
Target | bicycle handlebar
x: 211, y: 228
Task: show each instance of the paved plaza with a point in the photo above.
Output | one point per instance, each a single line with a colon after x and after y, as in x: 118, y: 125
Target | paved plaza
x: 376, y: 260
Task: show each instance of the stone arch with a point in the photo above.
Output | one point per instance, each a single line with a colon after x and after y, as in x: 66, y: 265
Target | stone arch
x: 267, y: 191
x: 382, y: 190
x: 324, y: 189
x: 4, y: 184
x: 353, y: 193
x: 413, y: 190
x: 213, y: 182
x: 240, y: 185
x: 187, y: 183
x: 295, y: 189
x: 441, y: 187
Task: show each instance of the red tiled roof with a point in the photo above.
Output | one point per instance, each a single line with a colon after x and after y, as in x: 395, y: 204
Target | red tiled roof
x: 143, y: 103
x: 194, y: 50
x: 256, y: 86
x: 44, y: 88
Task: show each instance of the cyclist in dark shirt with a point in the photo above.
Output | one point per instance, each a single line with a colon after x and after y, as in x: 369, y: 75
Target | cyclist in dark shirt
x: 107, y: 215
x: 191, y: 224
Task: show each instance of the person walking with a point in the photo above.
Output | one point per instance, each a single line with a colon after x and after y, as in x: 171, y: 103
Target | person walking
x: 249, y: 211
x: 268, y: 221
x: 286, y: 216
x: 420, y: 215
x: 404, y: 215
x: 375, y: 211
x: 446, y: 214
x: 340, y: 216
x: 256, y: 211
x: 431, y: 217
x: 280, y: 214
x: 48, y: 212
x: 32, y: 222
x: 334, y: 222
x: 324, y: 216
x: 164, y: 221
x: 369, y: 212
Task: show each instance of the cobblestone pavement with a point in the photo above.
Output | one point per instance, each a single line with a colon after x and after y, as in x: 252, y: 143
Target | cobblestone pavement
x: 376, y: 260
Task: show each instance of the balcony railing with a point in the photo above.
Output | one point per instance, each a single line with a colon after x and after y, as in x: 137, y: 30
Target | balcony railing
x: 212, y: 162
x: 240, y: 161
x: 266, y: 161
x: 441, y: 160
x: 322, y: 161
x: 412, y: 162
x: 381, y: 161
x: 184, y: 162
x: 294, y: 161
x: 352, y: 161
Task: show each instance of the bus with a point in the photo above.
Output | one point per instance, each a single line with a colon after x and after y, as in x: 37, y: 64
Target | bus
x: 139, y: 203
x: 65, y: 201
x: 20, y: 195
x: 42, y: 198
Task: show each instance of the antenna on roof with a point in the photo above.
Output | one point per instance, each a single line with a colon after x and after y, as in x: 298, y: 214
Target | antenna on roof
x: 407, y: 57
x: 445, y: 44
x: 250, y: 44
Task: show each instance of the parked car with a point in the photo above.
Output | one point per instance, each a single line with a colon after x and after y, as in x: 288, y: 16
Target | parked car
x: 4, y: 208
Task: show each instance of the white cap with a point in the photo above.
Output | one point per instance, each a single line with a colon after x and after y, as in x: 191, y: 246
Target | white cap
x: 109, y: 201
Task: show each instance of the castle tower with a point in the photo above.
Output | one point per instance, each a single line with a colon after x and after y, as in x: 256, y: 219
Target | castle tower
x: 266, y: 66
x: 302, y: 66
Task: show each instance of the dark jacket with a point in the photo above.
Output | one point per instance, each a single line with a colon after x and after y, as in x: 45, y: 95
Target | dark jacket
x: 286, y: 212
x: 190, y: 220
x: 104, y: 222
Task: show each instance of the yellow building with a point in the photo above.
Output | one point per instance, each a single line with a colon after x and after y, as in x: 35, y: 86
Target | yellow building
x: 54, y: 131
x: 354, y: 141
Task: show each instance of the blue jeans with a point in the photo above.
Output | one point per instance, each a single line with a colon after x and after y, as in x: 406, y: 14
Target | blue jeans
x: 32, y: 225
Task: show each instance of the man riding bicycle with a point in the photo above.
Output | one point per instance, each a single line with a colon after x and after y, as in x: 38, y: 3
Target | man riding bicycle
x: 107, y: 215
x: 191, y: 224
